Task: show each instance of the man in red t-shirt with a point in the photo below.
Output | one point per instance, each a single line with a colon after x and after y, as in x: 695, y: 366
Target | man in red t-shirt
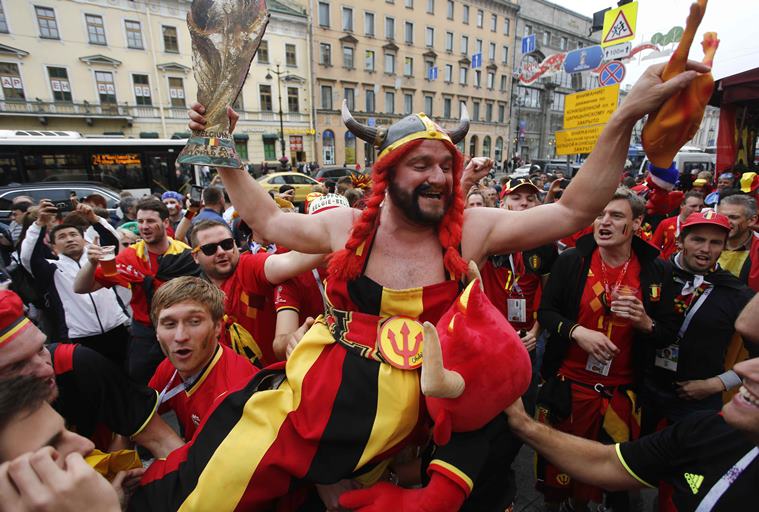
x: 590, y: 348
x: 143, y: 267
x: 188, y: 313
x: 248, y: 282
x: 665, y: 236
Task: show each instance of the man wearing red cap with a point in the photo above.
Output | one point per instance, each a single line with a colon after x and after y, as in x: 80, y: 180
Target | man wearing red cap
x: 351, y: 396
x: 668, y: 230
x: 84, y: 386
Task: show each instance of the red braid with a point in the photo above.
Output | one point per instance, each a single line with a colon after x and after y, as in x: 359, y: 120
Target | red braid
x: 345, y: 264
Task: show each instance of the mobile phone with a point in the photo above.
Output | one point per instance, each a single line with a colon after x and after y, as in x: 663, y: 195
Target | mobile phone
x: 196, y: 194
x: 64, y: 206
x: 564, y: 183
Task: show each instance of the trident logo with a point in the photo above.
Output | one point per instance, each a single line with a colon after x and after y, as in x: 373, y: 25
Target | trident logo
x: 405, y: 353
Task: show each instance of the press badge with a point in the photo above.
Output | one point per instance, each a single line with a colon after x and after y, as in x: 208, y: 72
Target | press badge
x: 596, y: 366
x: 516, y: 310
x: 667, y: 357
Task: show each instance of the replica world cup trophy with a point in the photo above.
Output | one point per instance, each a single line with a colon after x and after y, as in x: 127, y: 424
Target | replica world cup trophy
x: 225, y: 37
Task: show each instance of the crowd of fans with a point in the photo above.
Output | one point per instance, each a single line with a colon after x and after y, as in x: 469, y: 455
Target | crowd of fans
x: 630, y: 323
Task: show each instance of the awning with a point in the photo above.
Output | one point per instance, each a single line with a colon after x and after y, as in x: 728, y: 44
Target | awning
x: 149, y: 135
x: 270, y: 136
x: 240, y: 137
x: 180, y: 135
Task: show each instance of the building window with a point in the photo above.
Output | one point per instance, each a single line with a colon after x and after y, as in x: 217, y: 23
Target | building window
x: 563, y: 43
x: 350, y: 98
x: 449, y: 9
x: 477, y: 77
x: 491, y: 52
x: 501, y: 113
x: 504, y: 82
x: 390, y: 63
x: 478, y: 46
x: 480, y: 16
x: 486, y: 146
x: 546, y: 38
x: 323, y: 14
x: 176, y: 92
x: 408, y: 103
x: 369, y: 95
x: 446, y: 108
x: 369, y: 24
x: 95, y: 29
x: 293, y: 101
x: 505, y: 54
x: 488, y: 112
x: 429, y: 38
x: 476, y: 111
x: 466, y: 15
x: 462, y: 75
x: 263, y: 52
x: 491, y: 80
x: 464, y: 45
x: 59, y: 84
x: 264, y: 94
x: 389, y: 27
x: 449, y: 73
x: 290, y: 59
x: 408, y: 66
x: 3, y: 20
x: 369, y: 60
x: 449, y: 41
x: 13, y: 87
x: 325, y: 54
x: 133, y: 34
x: 326, y: 97
x: 348, y: 57
x: 408, y: 32
x: 527, y: 30
x: 409, y: 4
x: 506, y: 26
x: 493, y: 22
x: 428, y: 105
x: 142, y: 94
x: 105, y: 86
x: 428, y: 65
x: 170, y: 41
x: 430, y: 6
x: 46, y: 21
x: 347, y: 19
x: 270, y: 148
x: 389, y: 102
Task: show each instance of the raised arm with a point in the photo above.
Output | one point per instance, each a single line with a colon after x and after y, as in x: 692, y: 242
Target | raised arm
x: 281, y: 267
x: 493, y: 231
x: 318, y: 234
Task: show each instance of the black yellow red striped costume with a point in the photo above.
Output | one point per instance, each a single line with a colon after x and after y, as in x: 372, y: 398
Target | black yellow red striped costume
x: 340, y: 413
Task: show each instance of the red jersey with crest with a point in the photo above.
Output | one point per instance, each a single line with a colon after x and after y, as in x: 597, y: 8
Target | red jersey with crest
x: 665, y: 236
x: 595, y: 315
x: 250, y: 303
x: 225, y: 373
x: 302, y: 294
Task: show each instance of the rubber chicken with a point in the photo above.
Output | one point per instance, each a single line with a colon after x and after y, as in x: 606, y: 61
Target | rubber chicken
x: 679, y: 118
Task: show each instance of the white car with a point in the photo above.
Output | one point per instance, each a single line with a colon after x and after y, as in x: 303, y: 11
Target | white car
x: 521, y: 172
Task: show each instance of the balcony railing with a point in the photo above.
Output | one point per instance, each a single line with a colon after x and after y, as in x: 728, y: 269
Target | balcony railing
x: 124, y: 110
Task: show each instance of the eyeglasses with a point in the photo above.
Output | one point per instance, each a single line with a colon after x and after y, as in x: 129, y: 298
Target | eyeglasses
x: 210, y: 249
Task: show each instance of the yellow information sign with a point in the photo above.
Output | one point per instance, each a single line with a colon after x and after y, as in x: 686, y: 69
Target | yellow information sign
x: 619, y: 24
x: 579, y: 140
x: 590, y: 107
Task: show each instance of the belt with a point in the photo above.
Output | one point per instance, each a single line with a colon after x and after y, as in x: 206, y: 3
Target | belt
x: 396, y: 340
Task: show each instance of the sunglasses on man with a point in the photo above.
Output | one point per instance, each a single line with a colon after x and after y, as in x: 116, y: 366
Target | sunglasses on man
x: 210, y: 249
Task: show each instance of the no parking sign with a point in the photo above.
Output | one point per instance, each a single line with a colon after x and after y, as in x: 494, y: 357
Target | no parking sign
x: 612, y: 73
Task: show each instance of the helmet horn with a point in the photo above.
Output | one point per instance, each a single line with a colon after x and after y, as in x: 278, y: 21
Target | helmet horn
x: 458, y: 133
x: 437, y: 382
x: 362, y: 131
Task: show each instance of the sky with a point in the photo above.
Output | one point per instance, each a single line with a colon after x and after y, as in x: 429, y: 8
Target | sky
x: 735, y: 22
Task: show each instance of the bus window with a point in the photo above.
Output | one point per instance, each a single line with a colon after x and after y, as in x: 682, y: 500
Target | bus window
x: 9, y: 172
x: 56, y: 167
x: 119, y: 170
x: 158, y: 166
x: 185, y: 177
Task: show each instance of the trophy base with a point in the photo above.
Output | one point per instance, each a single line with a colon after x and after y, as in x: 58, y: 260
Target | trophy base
x: 211, y: 149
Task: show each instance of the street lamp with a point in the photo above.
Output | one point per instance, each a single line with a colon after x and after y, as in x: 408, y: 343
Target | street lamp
x: 279, y: 73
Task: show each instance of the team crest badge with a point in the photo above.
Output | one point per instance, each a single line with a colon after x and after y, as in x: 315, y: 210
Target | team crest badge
x: 400, y: 342
x: 534, y: 261
x: 562, y: 478
x: 654, y: 292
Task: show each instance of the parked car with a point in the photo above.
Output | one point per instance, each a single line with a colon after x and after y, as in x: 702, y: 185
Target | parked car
x: 56, y: 191
x: 301, y: 182
x: 333, y: 173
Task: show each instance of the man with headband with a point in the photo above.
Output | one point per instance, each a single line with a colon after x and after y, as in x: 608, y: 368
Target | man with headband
x: 351, y: 397
x: 173, y: 201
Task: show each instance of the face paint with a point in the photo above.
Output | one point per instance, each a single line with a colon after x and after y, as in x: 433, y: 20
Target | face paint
x: 624, y: 229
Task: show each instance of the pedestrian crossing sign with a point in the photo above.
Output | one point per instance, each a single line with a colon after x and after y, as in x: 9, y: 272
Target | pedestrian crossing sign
x: 619, y: 24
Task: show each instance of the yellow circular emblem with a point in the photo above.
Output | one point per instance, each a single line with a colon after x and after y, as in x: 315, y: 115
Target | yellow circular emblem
x: 400, y: 342
x: 562, y: 478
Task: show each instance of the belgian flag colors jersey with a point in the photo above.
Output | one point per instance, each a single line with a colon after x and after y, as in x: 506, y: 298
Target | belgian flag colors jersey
x: 342, y: 411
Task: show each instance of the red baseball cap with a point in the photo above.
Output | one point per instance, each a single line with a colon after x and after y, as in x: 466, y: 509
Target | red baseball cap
x: 709, y: 217
x: 12, y: 319
x: 516, y: 183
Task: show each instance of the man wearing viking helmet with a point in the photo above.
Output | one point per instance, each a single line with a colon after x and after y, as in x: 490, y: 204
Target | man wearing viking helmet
x: 351, y: 395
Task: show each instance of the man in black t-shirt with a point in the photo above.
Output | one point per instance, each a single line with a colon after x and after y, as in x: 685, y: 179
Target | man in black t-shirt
x: 710, y: 459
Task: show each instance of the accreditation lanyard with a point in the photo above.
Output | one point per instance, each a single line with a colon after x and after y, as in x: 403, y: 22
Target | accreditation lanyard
x: 167, y: 394
x: 619, y: 279
x: 692, y: 312
x: 724, y: 483
x: 319, y: 283
x: 513, y: 279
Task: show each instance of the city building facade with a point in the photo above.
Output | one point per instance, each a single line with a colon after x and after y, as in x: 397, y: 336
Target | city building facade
x: 390, y: 58
x: 124, y: 68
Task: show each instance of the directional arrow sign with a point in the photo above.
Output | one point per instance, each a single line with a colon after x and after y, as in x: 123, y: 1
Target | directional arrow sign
x: 618, y: 51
